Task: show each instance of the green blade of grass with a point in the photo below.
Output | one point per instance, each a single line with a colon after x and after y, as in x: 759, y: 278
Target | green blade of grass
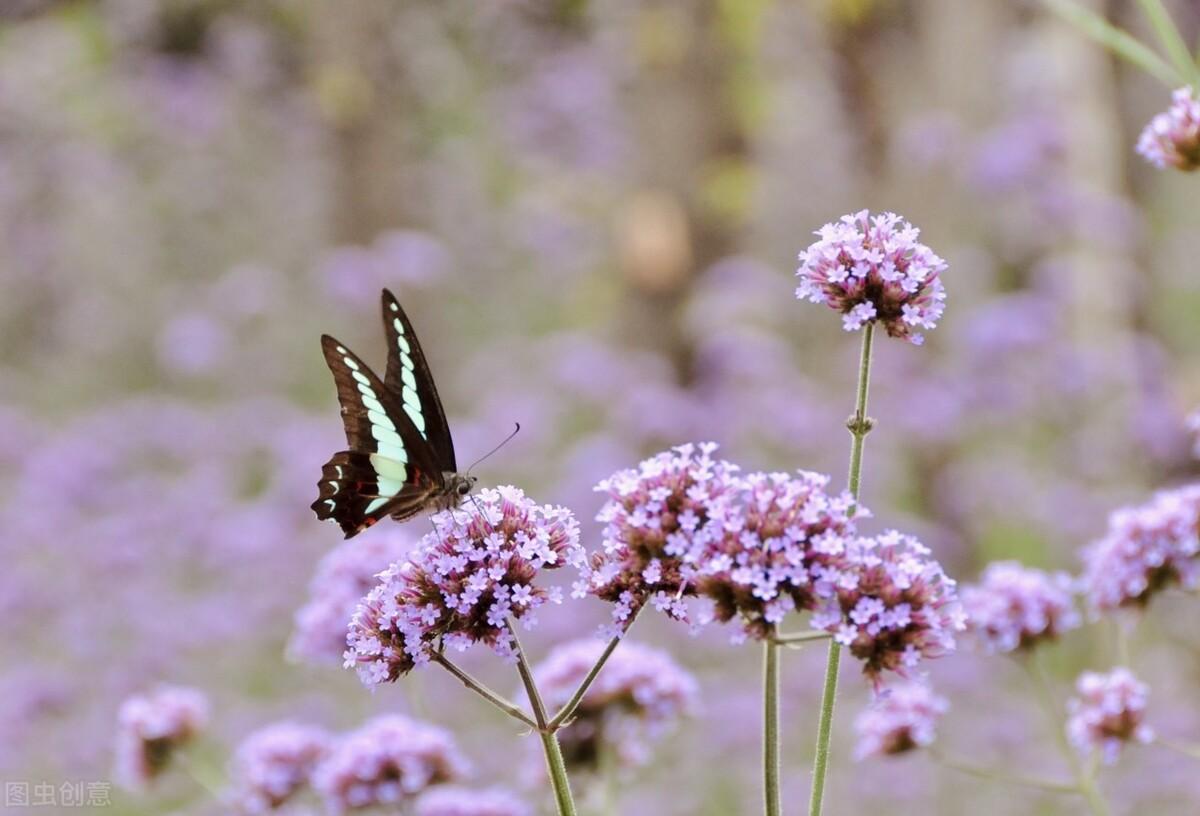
x: 1170, y: 38
x: 1116, y: 40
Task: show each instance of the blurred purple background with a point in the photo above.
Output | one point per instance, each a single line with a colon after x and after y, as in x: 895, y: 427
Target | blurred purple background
x: 591, y: 212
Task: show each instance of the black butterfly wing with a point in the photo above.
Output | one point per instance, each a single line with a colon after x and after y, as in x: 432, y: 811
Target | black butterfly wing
x: 409, y: 378
x: 389, y: 469
x: 356, y: 492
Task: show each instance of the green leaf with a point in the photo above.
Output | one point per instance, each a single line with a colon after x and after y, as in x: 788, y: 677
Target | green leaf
x: 1119, y: 42
x: 1168, y: 34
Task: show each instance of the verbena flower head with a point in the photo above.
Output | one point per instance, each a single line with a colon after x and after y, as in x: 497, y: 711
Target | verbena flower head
x: 658, y: 517
x: 777, y: 543
x: 637, y: 697
x: 902, y: 717
x: 891, y: 604
x: 274, y: 763
x: 873, y: 269
x: 450, y: 801
x: 1015, y: 607
x: 1107, y: 712
x: 151, y: 727
x: 463, y: 583
x: 385, y: 762
x: 1172, y: 139
x: 1146, y: 549
x: 343, y: 577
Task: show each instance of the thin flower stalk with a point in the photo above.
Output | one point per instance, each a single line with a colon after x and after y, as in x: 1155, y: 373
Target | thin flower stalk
x: 859, y: 425
x: 1085, y: 774
x: 557, y: 768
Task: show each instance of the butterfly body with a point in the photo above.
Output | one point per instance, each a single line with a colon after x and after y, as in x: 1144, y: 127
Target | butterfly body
x: 400, y: 460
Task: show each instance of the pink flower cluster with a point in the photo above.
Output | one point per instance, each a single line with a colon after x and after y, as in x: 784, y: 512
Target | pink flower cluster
x: 151, y: 727
x: 273, y: 764
x: 462, y: 584
x: 758, y: 546
x: 891, y: 604
x: 638, y: 695
x: 780, y: 538
x: 1015, y: 607
x: 1145, y: 550
x: 451, y: 801
x: 899, y: 719
x: 343, y: 577
x: 1107, y: 712
x: 385, y: 762
x: 658, y: 518
x: 874, y: 269
x: 1172, y: 138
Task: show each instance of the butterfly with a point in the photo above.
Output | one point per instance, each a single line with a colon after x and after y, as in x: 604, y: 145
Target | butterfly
x: 400, y: 460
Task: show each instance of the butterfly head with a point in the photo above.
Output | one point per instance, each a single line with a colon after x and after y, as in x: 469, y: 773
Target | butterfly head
x: 459, y: 486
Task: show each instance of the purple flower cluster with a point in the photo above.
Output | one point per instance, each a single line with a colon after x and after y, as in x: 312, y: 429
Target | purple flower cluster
x: 451, y: 801
x: 274, y: 763
x: 1172, y: 138
x: 781, y: 536
x: 758, y: 546
x: 462, y: 584
x: 151, y: 727
x: 1015, y: 607
x: 899, y: 719
x: 1193, y: 428
x: 874, y: 269
x: 344, y: 576
x: 638, y: 695
x: 1145, y: 550
x: 1108, y: 712
x: 657, y: 518
x: 891, y: 604
x: 386, y: 761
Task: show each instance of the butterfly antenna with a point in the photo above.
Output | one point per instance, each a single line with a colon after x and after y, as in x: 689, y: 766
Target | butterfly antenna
x: 507, y: 439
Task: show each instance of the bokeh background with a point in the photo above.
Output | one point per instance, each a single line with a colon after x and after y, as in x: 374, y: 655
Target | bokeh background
x: 591, y: 211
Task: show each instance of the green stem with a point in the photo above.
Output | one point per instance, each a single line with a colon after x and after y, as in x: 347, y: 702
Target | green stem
x: 1186, y: 749
x: 507, y: 706
x: 554, y: 758
x: 771, y: 728
x: 558, y: 774
x: 567, y: 710
x: 859, y: 425
x: 1004, y: 777
x: 1170, y: 38
x: 1119, y: 42
x: 1085, y: 777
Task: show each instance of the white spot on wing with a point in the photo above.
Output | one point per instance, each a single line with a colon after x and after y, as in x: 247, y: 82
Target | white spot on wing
x: 389, y: 468
x: 380, y: 419
x: 389, y: 487
x: 415, y: 416
x: 353, y: 366
x: 375, y: 505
